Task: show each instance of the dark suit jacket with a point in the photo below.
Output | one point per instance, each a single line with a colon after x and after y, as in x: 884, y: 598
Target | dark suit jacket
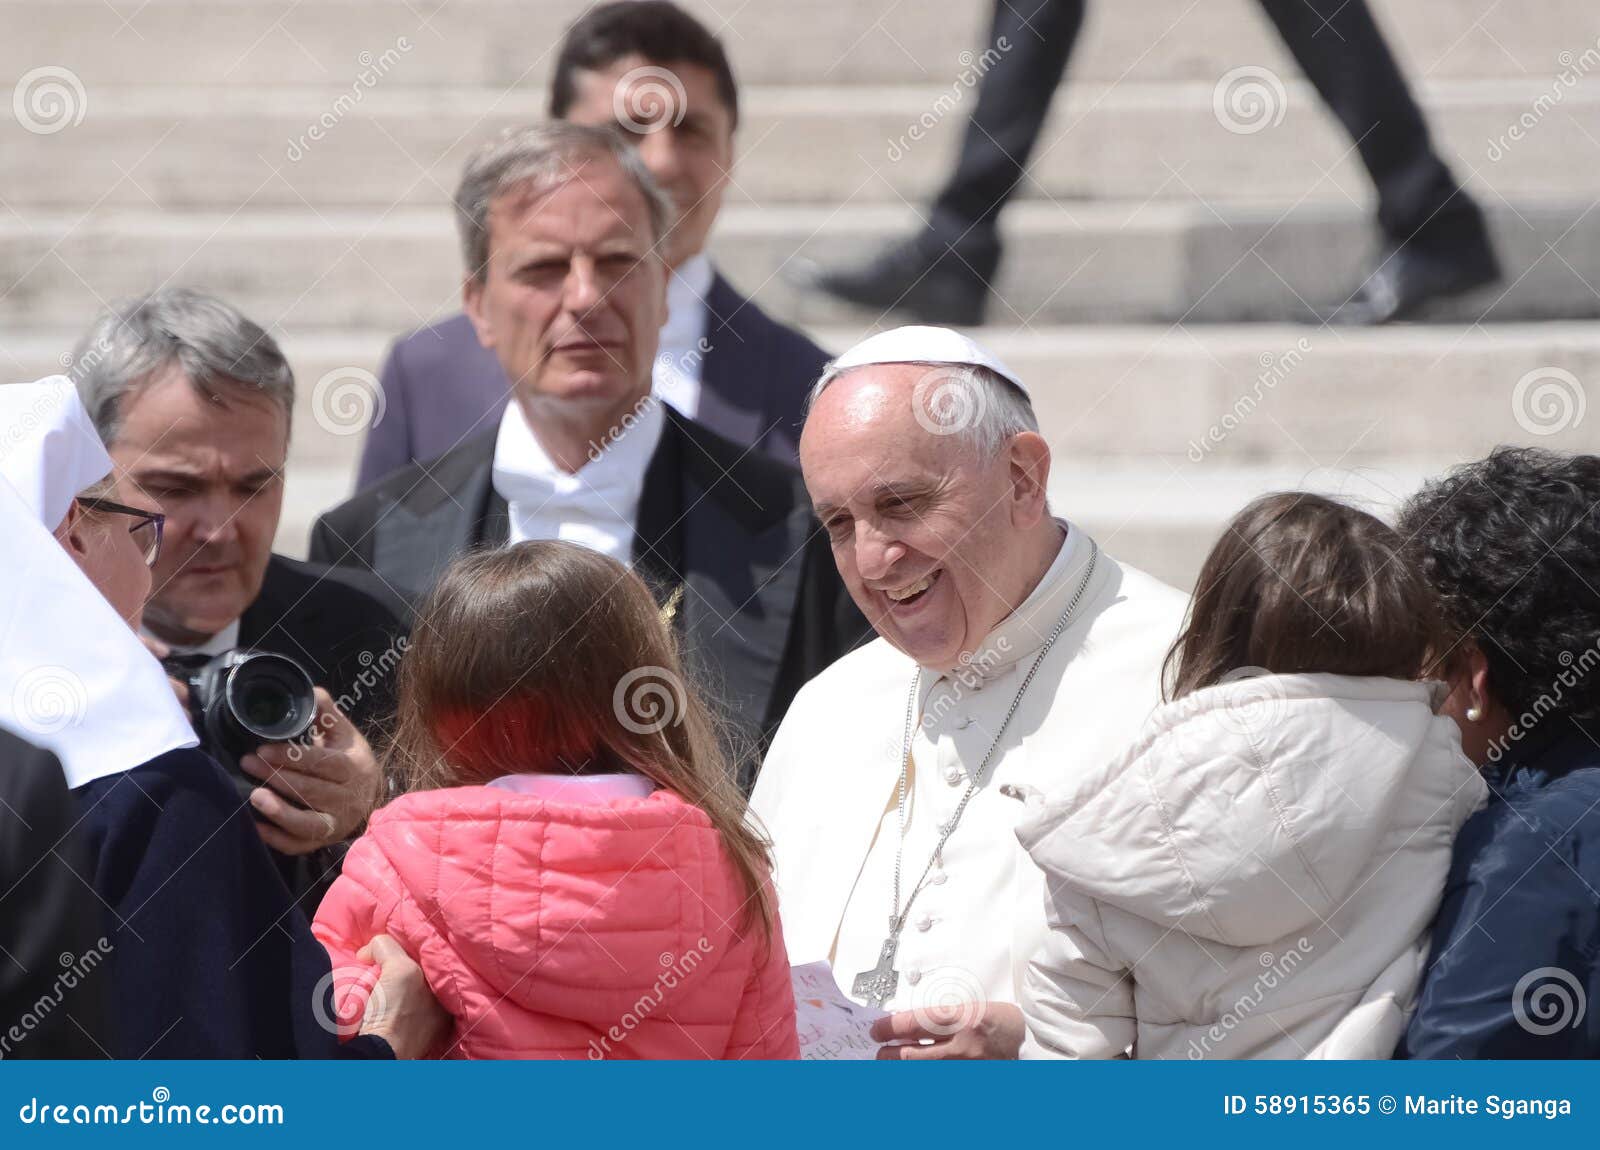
x: 212, y: 959
x: 441, y: 386
x: 348, y: 631
x: 343, y: 626
x: 45, y: 913
x: 763, y: 608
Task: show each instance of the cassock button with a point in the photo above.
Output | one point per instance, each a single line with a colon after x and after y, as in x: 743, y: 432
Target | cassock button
x: 952, y: 775
x: 938, y: 877
x: 925, y: 922
x: 913, y: 976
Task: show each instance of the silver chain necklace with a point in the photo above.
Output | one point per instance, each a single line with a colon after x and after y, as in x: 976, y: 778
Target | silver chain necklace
x: 878, y: 985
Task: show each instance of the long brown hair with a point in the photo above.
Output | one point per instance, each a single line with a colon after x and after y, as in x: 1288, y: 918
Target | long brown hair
x: 1300, y: 583
x: 547, y: 657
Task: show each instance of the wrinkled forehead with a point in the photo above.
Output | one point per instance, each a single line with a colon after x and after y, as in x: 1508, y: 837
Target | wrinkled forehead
x: 590, y: 200
x: 863, y: 431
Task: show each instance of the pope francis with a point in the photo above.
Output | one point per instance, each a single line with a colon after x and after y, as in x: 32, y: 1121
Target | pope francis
x: 1012, y: 652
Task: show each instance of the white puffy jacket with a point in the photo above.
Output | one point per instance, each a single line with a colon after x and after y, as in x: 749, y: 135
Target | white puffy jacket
x: 1254, y: 878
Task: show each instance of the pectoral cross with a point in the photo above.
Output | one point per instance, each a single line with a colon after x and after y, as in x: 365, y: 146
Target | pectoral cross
x: 878, y: 984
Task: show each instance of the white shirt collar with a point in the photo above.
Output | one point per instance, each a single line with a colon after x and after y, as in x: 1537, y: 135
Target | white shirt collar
x: 680, y: 356
x: 599, y: 505
x: 1020, y: 634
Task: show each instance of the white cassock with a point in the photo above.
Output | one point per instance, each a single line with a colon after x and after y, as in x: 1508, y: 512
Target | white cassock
x: 827, y: 791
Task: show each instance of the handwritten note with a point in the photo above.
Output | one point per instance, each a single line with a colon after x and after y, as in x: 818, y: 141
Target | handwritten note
x: 832, y: 1028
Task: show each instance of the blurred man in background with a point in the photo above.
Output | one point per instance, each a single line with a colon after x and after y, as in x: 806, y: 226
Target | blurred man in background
x: 1435, y: 243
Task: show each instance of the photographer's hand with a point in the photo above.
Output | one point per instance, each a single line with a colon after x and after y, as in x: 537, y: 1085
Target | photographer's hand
x: 314, y: 795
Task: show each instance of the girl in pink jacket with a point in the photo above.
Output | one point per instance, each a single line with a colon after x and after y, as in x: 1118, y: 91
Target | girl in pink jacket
x: 571, y: 864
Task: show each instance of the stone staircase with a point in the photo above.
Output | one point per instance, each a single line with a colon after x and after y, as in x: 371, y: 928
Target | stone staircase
x: 1155, y: 259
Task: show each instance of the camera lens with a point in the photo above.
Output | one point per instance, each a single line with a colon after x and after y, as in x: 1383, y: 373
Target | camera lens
x: 270, y: 697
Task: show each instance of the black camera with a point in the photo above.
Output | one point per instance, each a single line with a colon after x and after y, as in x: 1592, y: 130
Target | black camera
x: 243, y: 698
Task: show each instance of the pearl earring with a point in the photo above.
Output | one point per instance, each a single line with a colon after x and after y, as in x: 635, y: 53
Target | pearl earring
x: 1474, y: 714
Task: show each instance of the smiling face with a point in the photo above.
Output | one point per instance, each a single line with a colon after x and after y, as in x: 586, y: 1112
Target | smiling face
x: 936, y: 544
x: 573, y: 296
x: 215, y: 466
x: 686, y: 143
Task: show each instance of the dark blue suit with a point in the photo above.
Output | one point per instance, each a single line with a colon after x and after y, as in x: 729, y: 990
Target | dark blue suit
x: 441, y: 387
x: 1520, y: 921
x: 211, y: 957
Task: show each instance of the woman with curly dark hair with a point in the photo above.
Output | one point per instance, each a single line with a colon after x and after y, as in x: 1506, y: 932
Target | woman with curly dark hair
x: 1511, y: 544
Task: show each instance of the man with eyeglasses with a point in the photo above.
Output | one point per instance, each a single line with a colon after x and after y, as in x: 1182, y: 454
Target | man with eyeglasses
x: 193, y: 401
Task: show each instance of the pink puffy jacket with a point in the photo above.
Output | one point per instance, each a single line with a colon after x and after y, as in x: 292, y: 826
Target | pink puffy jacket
x: 564, y: 929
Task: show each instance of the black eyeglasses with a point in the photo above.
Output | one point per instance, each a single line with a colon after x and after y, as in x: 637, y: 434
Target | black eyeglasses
x: 146, y: 532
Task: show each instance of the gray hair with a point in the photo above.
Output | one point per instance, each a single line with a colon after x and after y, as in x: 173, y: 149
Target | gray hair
x: 215, y: 345
x: 534, y: 159
x: 980, y: 407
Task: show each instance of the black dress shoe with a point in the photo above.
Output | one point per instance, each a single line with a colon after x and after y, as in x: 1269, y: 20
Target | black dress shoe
x: 1411, y: 277
x: 920, y: 277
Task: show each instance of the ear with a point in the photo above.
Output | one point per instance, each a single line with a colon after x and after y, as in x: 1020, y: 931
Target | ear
x: 1478, y: 679
x: 1028, y: 463
x: 72, y: 534
x: 472, y: 304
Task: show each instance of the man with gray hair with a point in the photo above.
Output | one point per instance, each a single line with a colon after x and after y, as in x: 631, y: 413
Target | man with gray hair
x: 561, y: 228
x: 1013, y: 653
x: 194, y: 401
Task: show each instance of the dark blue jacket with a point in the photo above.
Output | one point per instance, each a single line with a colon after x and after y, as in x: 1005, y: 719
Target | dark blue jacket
x: 211, y: 957
x: 1515, y: 967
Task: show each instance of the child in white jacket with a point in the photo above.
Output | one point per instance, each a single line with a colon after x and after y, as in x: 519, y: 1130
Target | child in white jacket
x: 1255, y: 877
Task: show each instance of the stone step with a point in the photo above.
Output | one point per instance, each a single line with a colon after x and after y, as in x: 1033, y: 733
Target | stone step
x: 1125, y: 262
x: 511, y: 43
x: 1191, y: 407
x: 1152, y: 513
x: 273, y: 147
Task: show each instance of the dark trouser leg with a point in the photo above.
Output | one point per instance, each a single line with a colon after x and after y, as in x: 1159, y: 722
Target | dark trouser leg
x: 1342, y: 52
x: 1013, y: 98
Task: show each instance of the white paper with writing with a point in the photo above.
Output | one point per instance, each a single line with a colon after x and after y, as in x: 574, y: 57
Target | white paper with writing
x: 831, y: 1027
